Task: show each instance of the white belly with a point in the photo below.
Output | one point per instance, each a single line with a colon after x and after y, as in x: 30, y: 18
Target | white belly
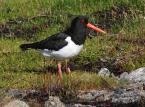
x: 70, y: 50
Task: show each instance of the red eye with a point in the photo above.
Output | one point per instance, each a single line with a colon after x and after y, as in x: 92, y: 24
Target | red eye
x: 82, y: 21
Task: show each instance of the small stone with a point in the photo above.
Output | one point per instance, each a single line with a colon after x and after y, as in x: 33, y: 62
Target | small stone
x: 15, y: 93
x: 87, y: 96
x: 54, y: 102
x: 124, y: 76
x: 16, y: 103
x: 104, y: 72
x: 81, y: 105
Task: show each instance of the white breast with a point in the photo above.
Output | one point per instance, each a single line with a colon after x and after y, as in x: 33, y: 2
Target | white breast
x: 68, y: 51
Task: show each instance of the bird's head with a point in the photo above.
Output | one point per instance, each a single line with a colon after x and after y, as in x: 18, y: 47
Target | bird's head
x: 81, y: 22
x: 78, y: 29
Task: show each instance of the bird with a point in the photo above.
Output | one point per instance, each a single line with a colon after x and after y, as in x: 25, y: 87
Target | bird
x: 66, y: 44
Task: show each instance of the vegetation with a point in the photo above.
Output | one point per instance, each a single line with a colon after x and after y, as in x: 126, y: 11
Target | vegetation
x: 32, y: 20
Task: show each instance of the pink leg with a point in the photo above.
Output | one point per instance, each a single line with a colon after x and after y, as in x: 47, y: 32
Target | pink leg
x: 59, y: 71
x: 68, y: 71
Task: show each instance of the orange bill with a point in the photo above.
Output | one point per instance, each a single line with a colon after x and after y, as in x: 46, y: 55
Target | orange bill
x: 89, y: 25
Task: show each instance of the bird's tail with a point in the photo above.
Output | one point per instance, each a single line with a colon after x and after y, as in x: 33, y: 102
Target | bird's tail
x: 25, y: 47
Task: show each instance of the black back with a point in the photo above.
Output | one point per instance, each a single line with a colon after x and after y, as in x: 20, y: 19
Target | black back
x: 55, y: 42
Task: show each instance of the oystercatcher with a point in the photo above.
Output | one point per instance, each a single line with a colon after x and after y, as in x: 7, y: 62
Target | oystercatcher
x: 66, y: 44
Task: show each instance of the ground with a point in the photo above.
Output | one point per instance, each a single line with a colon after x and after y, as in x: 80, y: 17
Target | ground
x: 25, y: 21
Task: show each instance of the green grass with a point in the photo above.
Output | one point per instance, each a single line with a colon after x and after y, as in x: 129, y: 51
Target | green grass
x: 15, y: 65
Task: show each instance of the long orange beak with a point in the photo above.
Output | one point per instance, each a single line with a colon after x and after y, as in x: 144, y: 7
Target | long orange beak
x: 89, y: 25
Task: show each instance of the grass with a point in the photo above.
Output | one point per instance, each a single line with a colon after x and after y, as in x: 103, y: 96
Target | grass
x: 15, y: 65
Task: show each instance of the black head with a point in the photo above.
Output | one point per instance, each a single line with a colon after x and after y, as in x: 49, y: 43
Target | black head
x: 79, y: 22
x: 78, y: 29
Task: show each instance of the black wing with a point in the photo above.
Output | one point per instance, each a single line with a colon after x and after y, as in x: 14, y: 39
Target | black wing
x: 54, y: 42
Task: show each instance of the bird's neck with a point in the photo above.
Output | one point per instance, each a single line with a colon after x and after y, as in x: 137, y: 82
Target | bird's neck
x: 78, y: 35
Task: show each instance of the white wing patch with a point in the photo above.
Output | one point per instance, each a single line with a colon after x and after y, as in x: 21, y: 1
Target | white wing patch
x: 46, y: 52
x: 68, y: 51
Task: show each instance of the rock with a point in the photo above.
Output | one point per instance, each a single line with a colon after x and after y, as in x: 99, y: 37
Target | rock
x: 137, y: 75
x: 81, y: 105
x: 104, y: 72
x: 124, y: 96
x: 124, y: 76
x: 15, y: 93
x: 54, y: 102
x: 127, y: 95
x: 16, y: 103
x: 97, y: 95
x: 86, y: 96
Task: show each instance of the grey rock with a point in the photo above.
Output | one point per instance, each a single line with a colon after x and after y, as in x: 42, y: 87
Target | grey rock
x: 16, y: 103
x: 15, y: 93
x: 104, y: 72
x: 81, y: 105
x: 125, y: 96
x: 137, y: 75
x: 124, y: 76
x: 87, y: 96
x: 97, y: 95
x: 54, y: 102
